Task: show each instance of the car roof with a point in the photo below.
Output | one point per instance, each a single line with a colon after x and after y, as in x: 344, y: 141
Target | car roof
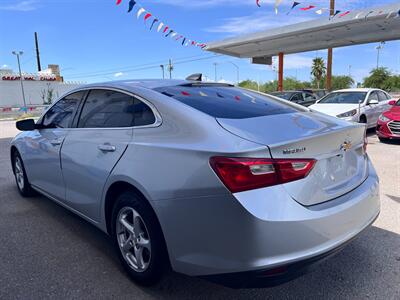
x: 364, y: 90
x: 278, y: 92
x: 143, y: 83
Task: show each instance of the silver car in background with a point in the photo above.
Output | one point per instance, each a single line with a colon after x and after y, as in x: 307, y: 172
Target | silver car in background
x: 207, y: 179
x: 355, y: 105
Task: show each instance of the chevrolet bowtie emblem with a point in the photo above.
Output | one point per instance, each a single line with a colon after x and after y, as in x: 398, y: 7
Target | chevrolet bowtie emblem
x: 346, y: 146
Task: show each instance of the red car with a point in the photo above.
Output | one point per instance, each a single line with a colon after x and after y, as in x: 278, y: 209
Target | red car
x: 388, y: 126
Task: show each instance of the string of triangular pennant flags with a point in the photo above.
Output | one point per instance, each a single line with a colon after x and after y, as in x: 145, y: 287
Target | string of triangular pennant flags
x: 337, y: 14
x: 161, y: 26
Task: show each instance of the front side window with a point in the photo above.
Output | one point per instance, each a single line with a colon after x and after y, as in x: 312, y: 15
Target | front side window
x: 297, y: 97
x: 60, y: 115
x: 308, y: 97
x: 111, y: 109
x: 373, y: 96
x: 221, y: 101
x: 344, y: 98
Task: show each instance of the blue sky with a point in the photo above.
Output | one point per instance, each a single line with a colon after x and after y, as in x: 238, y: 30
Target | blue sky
x: 94, y: 40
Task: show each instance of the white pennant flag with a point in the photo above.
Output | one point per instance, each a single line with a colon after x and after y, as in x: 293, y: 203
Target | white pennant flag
x: 277, y: 3
x: 173, y: 34
x: 140, y: 12
x: 358, y: 15
x: 160, y: 26
x: 321, y: 11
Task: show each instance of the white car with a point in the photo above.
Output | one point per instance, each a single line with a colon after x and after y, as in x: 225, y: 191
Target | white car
x: 356, y: 105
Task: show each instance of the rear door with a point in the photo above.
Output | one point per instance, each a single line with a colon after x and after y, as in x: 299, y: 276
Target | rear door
x: 383, y: 102
x: 92, y: 149
x: 372, y: 110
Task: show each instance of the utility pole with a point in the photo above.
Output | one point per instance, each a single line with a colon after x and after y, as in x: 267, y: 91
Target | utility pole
x: 37, y: 52
x: 163, y: 72
x: 18, y: 53
x: 215, y: 71
x: 170, y: 68
x: 330, y: 53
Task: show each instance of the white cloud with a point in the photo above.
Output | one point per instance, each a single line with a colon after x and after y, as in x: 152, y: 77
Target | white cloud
x: 296, y: 61
x: 119, y: 74
x: 27, y: 5
x: 255, y: 22
x: 4, y: 66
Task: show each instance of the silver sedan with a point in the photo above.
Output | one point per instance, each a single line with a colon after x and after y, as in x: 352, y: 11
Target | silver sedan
x: 205, y: 179
x: 355, y: 105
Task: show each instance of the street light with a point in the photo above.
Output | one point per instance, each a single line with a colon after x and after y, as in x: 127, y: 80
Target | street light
x: 379, y: 48
x: 18, y: 54
x: 215, y: 66
x: 162, y: 70
x: 237, y: 71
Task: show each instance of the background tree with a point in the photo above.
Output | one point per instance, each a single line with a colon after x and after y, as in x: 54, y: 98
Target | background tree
x: 318, y: 70
x: 378, y: 78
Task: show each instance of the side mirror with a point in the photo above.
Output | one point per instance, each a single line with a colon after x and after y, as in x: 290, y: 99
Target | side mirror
x: 373, y: 101
x: 392, y: 102
x: 26, y: 125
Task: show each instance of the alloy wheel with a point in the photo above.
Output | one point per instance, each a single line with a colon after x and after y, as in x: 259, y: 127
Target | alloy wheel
x: 133, y: 239
x: 19, y: 173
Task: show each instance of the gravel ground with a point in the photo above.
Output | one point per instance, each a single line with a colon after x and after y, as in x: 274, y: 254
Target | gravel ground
x: 47, y: 252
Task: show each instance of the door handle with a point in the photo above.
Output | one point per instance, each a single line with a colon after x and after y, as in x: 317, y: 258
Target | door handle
x: 56, y: 142
x: 107, y: 148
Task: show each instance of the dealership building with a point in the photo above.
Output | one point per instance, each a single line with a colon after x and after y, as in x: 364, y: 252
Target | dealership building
x: 40, y: 89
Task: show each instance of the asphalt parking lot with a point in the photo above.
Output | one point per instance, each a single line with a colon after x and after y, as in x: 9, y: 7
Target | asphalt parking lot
x: 47, y: 252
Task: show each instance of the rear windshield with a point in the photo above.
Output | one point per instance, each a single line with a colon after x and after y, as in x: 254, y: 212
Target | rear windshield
x: 344, y: 98
x: 227, y: 102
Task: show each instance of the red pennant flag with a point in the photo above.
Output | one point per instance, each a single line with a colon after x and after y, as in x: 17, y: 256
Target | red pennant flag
x: 165, y: 29
x: 119, y: 2
x: 148, y: 15
x: 307, y: 8
x: 344, y: 14
x: 258, y: 3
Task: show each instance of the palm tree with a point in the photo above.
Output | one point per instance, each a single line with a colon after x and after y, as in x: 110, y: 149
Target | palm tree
x: 318, y: 70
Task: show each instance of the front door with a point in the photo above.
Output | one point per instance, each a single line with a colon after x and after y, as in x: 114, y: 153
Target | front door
x: 43, y: 163
x: 93, y: 148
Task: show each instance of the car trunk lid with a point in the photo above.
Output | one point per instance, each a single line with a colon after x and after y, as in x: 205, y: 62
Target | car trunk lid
x: 336, y: 145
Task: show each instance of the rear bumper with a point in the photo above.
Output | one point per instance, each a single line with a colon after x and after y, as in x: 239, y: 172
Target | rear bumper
x: 276, y: 276
x: 262, y: 230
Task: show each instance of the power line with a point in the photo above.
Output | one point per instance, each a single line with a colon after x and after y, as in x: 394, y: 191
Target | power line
x: 139, y: 67
x: 128, y: 68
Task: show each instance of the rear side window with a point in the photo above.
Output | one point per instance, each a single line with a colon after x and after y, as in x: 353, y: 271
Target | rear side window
x: 111, y: 109
x: 60, y: 114
x: 382, y: 96
x: 226, y: 102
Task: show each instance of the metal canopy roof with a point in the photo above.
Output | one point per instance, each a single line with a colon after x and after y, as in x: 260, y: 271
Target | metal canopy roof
x: 358, y: 27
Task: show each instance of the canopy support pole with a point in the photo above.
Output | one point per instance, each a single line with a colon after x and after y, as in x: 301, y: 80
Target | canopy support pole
x: 330, y: 54
x: 280, y: 76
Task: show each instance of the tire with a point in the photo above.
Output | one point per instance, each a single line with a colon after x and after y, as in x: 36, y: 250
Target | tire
x: 135, y: 225
x: 383, y: 140
x: 23, y: 185
x: 363, y: 119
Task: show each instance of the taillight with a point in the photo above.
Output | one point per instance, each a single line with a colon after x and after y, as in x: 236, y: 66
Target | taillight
x: 242, y: 174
